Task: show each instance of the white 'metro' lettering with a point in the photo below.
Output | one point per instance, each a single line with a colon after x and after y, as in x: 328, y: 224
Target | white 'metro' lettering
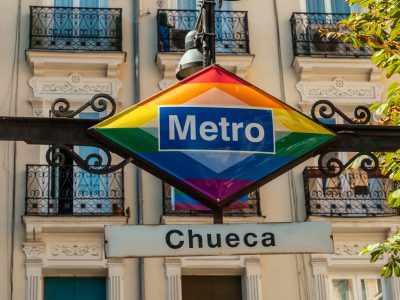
x: 209, y: 130
x: 174, y: 122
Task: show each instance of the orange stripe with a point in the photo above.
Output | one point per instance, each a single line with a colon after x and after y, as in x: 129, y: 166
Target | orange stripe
x: 250, y: 95
x: 214, y: 74
x: 147, y: 110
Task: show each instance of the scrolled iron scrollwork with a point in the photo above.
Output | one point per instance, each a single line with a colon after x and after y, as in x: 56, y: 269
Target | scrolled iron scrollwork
x: 60, y: 108
x: 92, y: 163
x: 333, y: 167
x: 233, y: 38
x: 327, y: 110
x: 82, y: 29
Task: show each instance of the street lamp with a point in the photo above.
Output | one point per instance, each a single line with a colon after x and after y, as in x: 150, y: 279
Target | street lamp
x: 195, y: 57
x: 192, y: 61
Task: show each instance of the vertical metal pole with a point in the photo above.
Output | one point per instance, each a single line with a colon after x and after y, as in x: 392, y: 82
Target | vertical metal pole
x: 138, y: 183
x: 206, y: 46
x: 218, y: 216
x: 208, y: 16
x: 211, y: 32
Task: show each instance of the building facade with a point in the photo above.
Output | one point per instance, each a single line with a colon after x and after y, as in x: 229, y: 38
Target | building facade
x: 52, y: 218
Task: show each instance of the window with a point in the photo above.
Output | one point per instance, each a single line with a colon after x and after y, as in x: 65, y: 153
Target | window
x: 330, y: 6
x: 91, y: 191
x: 224, y: 25
x: 211, y: 287
x: 81, y: 3
x: 75, y: 288
x: 86, y: 24
x: 214, y: 278
x: 76, y: 191
x: 357, y: 287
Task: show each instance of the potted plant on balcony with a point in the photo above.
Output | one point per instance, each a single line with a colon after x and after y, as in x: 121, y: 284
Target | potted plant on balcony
x: 117, y: 209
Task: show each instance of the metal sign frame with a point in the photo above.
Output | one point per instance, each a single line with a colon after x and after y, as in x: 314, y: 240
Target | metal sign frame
x: 192, y: 192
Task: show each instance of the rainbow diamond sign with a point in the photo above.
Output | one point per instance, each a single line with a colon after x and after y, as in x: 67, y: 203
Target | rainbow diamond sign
x: 214, y: 136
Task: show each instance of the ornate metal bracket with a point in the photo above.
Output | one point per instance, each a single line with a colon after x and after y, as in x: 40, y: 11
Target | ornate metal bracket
x: 99, y: 103
x: 93, y: 163
x: 333, y: 167
x: 327, y: 110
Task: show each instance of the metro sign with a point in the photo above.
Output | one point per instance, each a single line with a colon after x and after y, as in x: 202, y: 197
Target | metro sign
x: 214, y: 136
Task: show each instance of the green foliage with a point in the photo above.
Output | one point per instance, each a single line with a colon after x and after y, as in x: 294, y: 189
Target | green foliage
x: 391, y: 248
x: 378, y: 27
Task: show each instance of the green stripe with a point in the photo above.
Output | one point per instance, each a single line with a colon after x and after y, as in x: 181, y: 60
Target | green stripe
x: 298, y: 143
x: 133, y: 139
x: 286, y: 143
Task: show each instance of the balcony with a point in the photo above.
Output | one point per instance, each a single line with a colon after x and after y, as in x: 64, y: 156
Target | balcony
x: 231, y: 30
x: 75, y: 29
x: 70, y: 191
x: 232, y: 44
x: 354, y: 194
x: 176, y: 203
x: 307, y: 41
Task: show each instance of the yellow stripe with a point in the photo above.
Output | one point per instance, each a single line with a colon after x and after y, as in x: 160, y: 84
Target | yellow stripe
x: 291, y: 120
x: 147, y: 110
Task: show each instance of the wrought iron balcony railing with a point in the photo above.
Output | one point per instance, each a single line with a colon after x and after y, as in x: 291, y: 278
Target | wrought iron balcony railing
x: 75, y: 29
x: 69, y: 190
x: 307, y: 40
x: 354, y: 194
x: 231, y: 29
x: 178, y: 204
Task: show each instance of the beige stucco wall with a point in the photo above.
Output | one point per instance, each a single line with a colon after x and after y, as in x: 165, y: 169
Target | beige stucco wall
x: 282, y: 200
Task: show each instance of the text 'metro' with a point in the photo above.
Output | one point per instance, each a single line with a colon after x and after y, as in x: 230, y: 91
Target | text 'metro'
x: 232, y: 129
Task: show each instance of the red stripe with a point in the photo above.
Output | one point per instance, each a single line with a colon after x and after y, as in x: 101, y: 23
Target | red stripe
x: 214, y: 74
x: 219, y: 188
x: 200, y: 207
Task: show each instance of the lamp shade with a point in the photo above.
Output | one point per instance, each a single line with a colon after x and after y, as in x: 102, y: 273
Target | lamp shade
x: 190, y: 63
x: 192, y: 60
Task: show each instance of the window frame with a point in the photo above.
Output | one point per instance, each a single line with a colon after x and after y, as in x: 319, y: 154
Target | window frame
x: 328, y: 7
x: 356, y: 278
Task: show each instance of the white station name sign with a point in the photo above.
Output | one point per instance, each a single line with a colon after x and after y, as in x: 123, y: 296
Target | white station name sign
x: 226, y: 239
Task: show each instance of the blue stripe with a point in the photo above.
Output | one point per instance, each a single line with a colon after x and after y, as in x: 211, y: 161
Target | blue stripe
x: 253, y: 168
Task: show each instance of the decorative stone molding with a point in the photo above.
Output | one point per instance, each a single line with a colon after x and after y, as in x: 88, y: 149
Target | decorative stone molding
x: 34, y: 225
x: 160, y: 3
x: 347, y: 82
x: 167, y: 63
x: 37, y: 112
x: 322, y: 68
x: 73, y: 87
x: 320, y: 283
x: 253, y: 277
x: 115, y: 279
x: 339, y: 90
x: 165, y: 83
x: 395, y: 287
x: 174, y: 282
x: 34, y: 281
x: 44, y: 63
x: 34, y: 251
x: 347, y: 249
x: 75, y: 250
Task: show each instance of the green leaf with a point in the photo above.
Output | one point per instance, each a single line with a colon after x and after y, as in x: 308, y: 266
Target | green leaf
x: 396, y: 269
x: 396, y: 193
x: 390, y: 70
x: 381, y: 108
x: 375, y: 255
x: 389, y: 270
